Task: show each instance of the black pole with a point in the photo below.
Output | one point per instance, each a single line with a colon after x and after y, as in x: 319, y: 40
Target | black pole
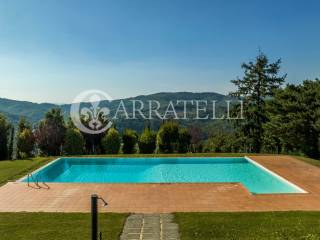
x: 94, y: 217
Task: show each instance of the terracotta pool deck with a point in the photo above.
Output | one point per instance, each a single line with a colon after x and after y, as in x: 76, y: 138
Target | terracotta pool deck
x: 164, y: 198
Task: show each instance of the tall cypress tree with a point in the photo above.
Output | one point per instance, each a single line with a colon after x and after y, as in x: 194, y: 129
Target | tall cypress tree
x: 260, y: 81
x: 4, y: 132
x: 11, y: 141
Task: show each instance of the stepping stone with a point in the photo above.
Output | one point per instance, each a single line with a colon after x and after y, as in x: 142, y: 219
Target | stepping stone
x: 150, y: 227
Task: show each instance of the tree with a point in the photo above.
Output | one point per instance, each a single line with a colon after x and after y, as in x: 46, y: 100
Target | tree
x: 258, y: 84
x: 51, y: 132
x: 221, y: 141
x: 147, y: 141
x: 23, y: 123
x: 184, y: 140
x: 271, y: 140
x: 74, y: 142
x: 196, y: 138
x: 25, y: 144
x: 92, y: 141
x: 11, y: 142
x: 4, y: 132
x: 294, y: 115
x: 111, y: 142
x: 25, y: 139
x: 167, y: 137
x: 129, y: 140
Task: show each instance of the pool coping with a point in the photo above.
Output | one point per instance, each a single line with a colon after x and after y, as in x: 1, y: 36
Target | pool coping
x: 278, y: 176
x: 302, y: 191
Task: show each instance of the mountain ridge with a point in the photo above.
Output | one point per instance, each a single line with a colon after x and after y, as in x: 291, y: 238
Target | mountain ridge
x: 34, y: 112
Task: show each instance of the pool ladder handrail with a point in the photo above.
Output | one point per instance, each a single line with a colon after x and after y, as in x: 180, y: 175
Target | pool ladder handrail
x: 36, y: 181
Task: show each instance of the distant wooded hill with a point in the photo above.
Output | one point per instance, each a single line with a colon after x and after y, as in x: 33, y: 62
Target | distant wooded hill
x: 34, y: 112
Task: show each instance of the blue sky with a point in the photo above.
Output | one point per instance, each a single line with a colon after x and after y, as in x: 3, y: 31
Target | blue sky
x: 52, y: 50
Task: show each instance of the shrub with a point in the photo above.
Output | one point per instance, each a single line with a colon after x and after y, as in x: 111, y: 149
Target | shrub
x: 129, y: 140
x: 167, y: 137
x: 184, y: 140
x: 73, y: 142
x: 147, y: 141
x: 111, y: 141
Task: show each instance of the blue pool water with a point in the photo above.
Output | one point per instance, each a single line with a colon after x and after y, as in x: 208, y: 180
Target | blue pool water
x: 165, y: 170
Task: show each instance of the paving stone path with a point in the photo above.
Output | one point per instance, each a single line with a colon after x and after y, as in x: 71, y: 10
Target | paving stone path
x: 150, y: 227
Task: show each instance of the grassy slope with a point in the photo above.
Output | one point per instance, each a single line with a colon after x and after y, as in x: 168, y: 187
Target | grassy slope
x: 247, y: 226
x: 57, y: 226
x: 13, y: 170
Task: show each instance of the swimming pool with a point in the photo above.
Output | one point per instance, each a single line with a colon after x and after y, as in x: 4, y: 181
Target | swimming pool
x: 252, y: 175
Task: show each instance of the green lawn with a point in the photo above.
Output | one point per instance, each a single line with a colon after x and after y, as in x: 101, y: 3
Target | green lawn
x: 57, y: 226
x: 309, y: 160
x: 13, y: 170
x: 249, y: 226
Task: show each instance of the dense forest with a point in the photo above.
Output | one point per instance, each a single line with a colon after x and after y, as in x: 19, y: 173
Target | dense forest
x: 277, y: 118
